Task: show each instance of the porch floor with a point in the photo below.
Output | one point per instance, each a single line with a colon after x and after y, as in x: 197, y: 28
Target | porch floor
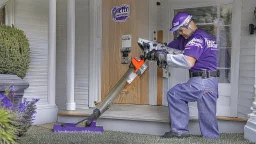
x: 135, y: 112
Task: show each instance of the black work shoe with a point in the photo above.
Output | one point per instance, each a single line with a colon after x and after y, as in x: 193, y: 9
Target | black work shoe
x: 175, y: 135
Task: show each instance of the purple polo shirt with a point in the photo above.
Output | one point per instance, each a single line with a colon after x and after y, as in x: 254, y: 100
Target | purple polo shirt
x: 201, y: 46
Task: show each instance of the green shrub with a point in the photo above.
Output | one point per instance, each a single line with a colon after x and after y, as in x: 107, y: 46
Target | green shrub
x: 23, y: 111
x: 14, y: 51
x: 8, y: 130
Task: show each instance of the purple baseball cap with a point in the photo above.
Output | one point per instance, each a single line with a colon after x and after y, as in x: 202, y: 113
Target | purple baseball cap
x: 181, y: 19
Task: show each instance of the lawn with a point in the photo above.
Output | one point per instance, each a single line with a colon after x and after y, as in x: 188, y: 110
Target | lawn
x: 42, y: 134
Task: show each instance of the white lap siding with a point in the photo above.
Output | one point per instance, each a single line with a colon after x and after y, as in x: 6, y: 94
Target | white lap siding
x: 31, y: 16
x: 247, y: 60
x: 81, y: 54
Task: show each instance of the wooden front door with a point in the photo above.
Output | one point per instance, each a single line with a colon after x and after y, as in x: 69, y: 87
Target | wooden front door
x: 136, y: 25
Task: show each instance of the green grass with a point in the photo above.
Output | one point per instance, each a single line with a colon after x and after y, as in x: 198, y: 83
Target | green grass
x: 44, y: 135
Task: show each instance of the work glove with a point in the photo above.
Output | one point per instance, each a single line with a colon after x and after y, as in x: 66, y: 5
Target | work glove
x: 159, y: 56
x: 144, y: 46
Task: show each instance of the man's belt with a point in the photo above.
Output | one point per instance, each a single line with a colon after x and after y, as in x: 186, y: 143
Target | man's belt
x: 204, y: 74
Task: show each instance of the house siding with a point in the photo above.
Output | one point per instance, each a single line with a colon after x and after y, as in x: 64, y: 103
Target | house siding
x: 31, y: 16
x: 247, y: 60
x: 61, y: 54
x: 81, y: 54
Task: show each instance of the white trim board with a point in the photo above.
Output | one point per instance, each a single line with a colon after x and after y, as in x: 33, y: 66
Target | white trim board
x: 95, y: 51
x: 235, y: 55
x: 152, y: 77
x: 46, y: 114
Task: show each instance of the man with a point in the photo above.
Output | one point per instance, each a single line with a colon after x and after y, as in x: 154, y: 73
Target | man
x: 200, y: 58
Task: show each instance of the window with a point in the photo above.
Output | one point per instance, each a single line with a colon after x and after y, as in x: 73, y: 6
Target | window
x: 7, y: 12
x: 217, y: 21
x: 2, y: 15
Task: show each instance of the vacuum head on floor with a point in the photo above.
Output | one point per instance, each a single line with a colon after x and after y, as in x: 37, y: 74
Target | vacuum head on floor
x: 73, y: 128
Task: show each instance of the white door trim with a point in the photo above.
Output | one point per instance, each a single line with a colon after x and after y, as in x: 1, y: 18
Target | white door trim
x: 152, y: 77
x: 235, y: 55
x: 95, y: 51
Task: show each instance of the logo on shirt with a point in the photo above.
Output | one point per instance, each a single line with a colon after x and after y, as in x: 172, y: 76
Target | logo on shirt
x: 195, y: 42
x: 211, y: 43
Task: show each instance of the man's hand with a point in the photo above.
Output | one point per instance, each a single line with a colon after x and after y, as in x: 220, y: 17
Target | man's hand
x: 159, y: 56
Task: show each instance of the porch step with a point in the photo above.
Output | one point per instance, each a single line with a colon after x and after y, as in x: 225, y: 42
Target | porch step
x: 146, y: 119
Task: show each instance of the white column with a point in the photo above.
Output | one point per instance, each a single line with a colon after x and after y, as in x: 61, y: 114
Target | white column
x: 52, y: 52
x: 71, y: 105
x: 50, y: 109
x: 250, y: 127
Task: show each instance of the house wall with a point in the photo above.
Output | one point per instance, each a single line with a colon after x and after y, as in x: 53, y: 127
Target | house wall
x: 31, y: 16
x: 81, y: 54
x: 247, y: 60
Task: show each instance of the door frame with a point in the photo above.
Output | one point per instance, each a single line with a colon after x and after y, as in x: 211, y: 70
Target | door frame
x: 152, y: 76
x: 236, y: 36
